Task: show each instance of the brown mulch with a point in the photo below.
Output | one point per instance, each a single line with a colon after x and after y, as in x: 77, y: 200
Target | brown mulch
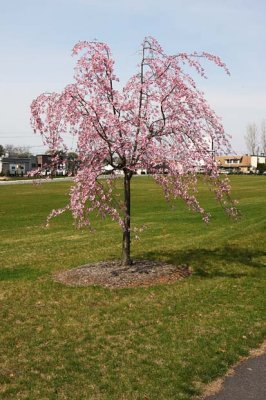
x: 112, y: 274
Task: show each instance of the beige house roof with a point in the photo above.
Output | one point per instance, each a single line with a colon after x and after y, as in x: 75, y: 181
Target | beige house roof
x: 234, y: 161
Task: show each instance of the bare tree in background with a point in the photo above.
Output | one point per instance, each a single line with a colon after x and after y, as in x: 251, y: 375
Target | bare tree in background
x: 251, y: 139
x: 17, y: 151
x: 263, y: 137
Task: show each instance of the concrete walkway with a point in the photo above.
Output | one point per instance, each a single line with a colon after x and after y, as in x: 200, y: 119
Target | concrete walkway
x: 248, y: 382
x: 26, y: 181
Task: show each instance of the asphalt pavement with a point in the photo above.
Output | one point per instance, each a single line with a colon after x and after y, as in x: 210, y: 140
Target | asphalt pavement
x: 28, y: 181
x: 247, y: 383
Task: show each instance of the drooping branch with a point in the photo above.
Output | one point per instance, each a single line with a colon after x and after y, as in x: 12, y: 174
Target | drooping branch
x: 159, y: 121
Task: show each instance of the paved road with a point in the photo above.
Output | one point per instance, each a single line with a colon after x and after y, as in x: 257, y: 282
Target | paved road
x: 69, y: 178
x: 248, y: 382
x: 26, y: 181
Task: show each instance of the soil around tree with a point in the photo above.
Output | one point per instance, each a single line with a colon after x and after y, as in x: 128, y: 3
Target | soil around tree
x: 112, y: 274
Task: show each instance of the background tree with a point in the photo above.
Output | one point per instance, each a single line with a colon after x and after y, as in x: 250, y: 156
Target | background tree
x: 72, y: 163
x: 2, y: 150
x: 263, y: 137
x: 158, y: 118
x: 252, y: 139
x: 17, y: 151
x: 261, y: 168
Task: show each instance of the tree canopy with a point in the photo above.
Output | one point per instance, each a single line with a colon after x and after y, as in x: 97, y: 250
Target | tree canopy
x: 158, y: 119
x: 17, y: 151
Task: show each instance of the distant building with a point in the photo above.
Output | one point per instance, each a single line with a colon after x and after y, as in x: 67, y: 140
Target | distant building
x: 43, y: 160
x: 239, y: 164
x: 20, y: 166
x: 45, y: 164
x: 17, y: 166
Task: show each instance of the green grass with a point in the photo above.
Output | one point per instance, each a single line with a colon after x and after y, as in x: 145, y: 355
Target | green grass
x: 161, y: 342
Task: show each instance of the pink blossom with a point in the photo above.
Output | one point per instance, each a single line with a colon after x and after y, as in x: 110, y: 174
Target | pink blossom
x: 159, y: 121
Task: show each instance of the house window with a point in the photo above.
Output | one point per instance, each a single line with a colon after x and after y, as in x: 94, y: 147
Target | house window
x: 232, y: 161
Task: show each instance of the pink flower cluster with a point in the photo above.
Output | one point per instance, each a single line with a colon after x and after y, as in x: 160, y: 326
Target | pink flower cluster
x: 159, y: 121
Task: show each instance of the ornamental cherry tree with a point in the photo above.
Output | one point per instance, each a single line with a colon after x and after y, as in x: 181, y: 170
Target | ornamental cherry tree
x: 159, y: 121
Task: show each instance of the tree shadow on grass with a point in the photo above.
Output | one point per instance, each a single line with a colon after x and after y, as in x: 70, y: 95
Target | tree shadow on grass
x: 19, y: 273
x: 227, y: 261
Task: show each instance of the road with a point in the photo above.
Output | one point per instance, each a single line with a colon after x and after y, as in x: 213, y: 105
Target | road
x: 247, y: 383
x: 27, y: 181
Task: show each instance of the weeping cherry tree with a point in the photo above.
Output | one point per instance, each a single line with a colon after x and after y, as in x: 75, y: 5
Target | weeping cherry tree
x: 159, y: 121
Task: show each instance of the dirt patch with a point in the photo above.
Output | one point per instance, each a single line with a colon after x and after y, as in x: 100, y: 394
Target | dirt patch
x: 112, y: 274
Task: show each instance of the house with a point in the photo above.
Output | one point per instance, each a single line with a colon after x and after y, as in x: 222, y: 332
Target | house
x: 43, y: 160
x: 261, y: 159
x: 141, y: 171
x: 20, y: 166
x: 44, y: 164
x: 239, y: 164
x: 17, y: 166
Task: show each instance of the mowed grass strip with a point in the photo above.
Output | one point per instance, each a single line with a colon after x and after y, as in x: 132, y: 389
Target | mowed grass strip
x: 161, y: 342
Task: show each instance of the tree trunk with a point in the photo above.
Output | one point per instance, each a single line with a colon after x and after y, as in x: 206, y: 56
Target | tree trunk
x: 126, y: 260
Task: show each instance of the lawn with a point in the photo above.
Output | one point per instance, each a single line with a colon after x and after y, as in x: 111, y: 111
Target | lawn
x: 162, y: 342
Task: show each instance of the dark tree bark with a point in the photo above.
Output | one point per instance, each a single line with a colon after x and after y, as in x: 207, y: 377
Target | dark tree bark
x: 126, y: 259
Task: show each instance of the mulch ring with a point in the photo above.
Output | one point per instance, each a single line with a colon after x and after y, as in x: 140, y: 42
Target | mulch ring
x: 112, y: 274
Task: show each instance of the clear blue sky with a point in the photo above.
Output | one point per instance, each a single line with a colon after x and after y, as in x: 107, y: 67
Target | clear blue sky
x: 36, y: 38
